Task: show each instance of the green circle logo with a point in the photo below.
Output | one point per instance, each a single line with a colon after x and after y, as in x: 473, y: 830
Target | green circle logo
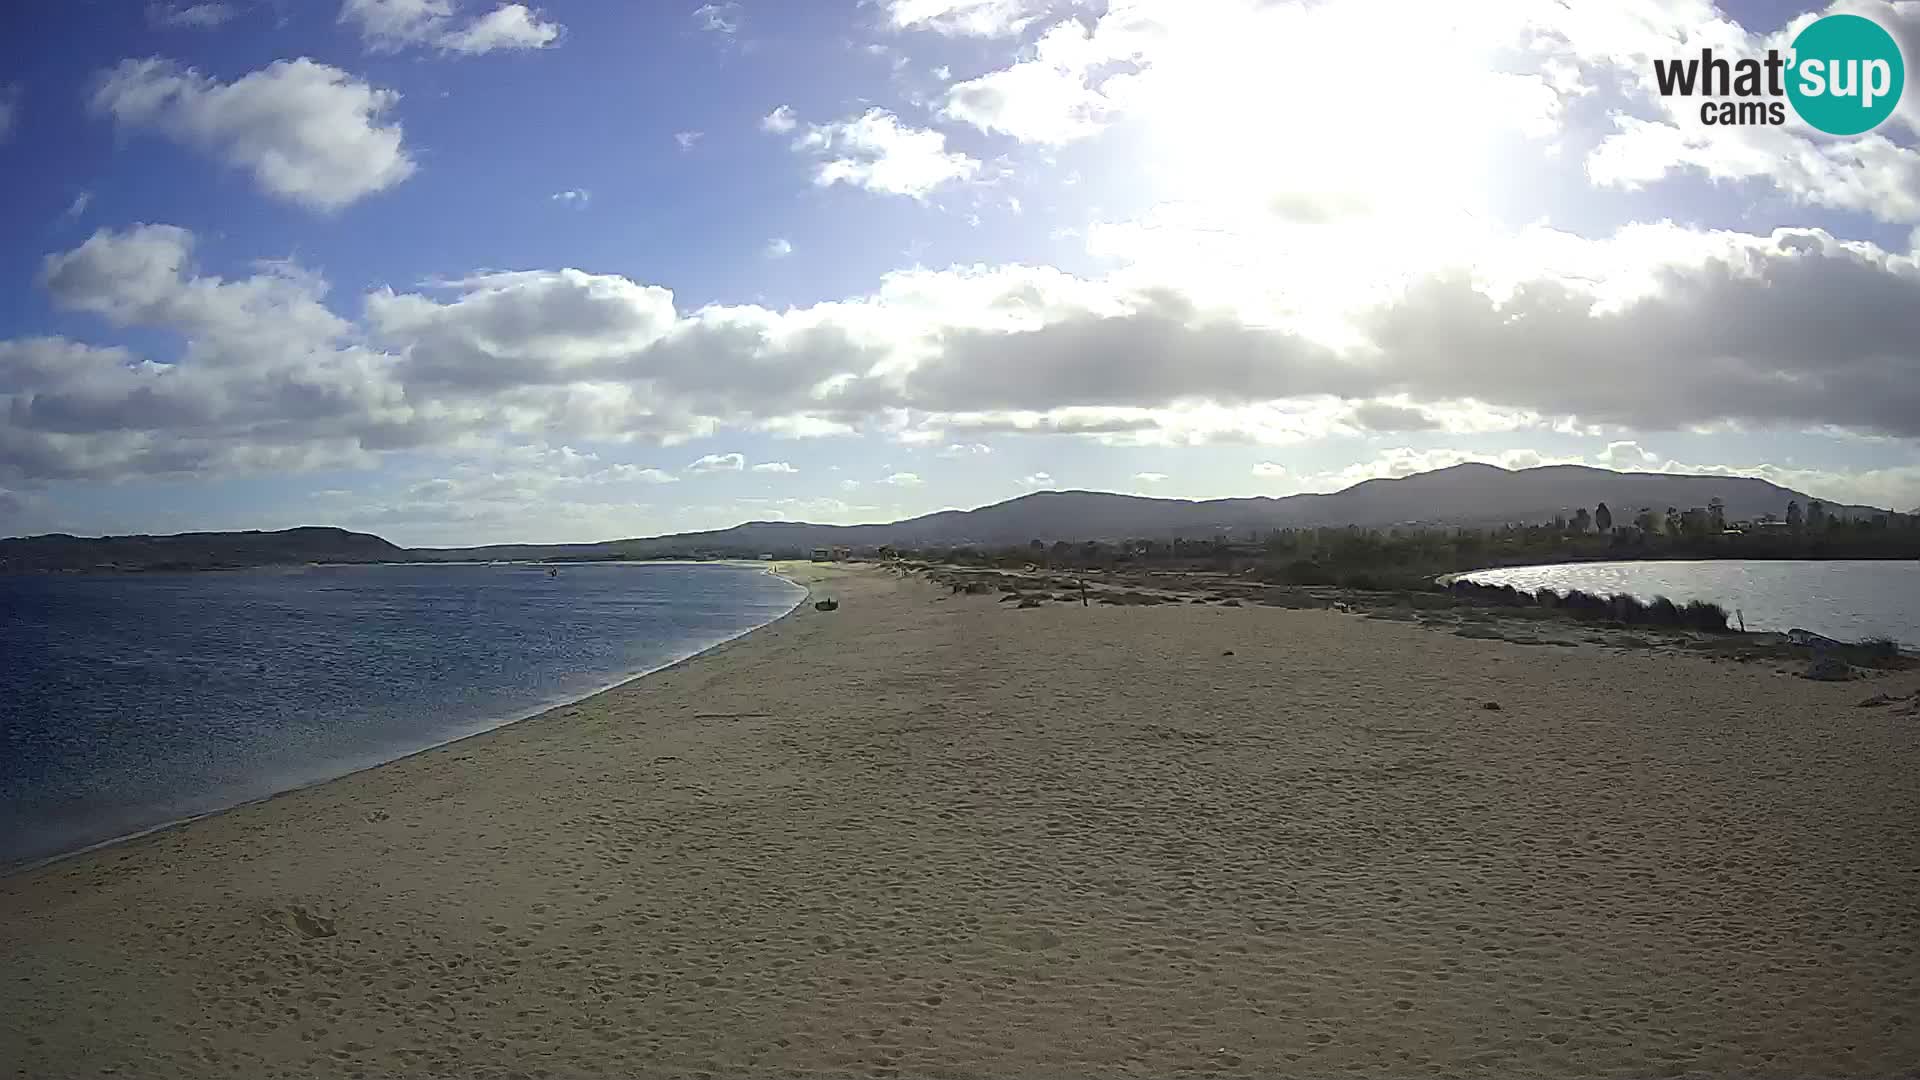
x: 1847, y: 74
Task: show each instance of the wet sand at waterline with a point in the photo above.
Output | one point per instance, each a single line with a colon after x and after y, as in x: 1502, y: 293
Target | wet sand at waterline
x: 936, y: 835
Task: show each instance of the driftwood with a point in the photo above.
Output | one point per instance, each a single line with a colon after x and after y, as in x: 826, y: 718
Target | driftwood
x: 827, y: 605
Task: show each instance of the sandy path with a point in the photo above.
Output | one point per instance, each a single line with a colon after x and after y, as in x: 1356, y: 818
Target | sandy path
x: 935, y: 836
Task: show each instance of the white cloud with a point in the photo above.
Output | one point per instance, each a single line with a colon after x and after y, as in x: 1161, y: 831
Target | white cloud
x: 686, y: 139
x: 1655, y: 136
x: 9, y: 109
x: 1626, y: 457
x: 1269, y: 470
x: 509, y: 26
x: 903, y: 479
x: 1150, y: 477
x: 722, y: 18
x: 964, y: 18
x: 309, y: 133
x: 573, y: 196
x: 1693, y: 329
x: 393, y: 25
x: 966, y: 450
x: 718, y: 463
x: 774, y: 467
x: 1037, y: 480
x: 779, y: 248
x: 190, y: 16
x: 1053, y: 96
x: 876, y: 152
x: 780, y: 121
x: 79, y: 205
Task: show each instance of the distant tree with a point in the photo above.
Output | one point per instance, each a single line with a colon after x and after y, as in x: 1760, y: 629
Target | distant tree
x: 1060, y: 552
x: 1794, y: 520
x: 1647, y: 521
x: 1816, y: 515
x: 1672, y: 521
x: 1582, y: 520
x: 1716, y: 514
x: 1560, y: 524
x: 1603, y: 518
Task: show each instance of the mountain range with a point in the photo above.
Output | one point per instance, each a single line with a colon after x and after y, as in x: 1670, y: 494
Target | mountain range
x: 1470, y: 494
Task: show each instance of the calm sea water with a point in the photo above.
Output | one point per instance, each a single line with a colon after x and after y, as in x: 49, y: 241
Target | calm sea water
x: 127, y: 701
x: 1848, y: 600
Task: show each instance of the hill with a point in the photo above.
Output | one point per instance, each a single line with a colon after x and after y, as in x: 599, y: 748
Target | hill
x: 192, y: 551
x: 1470, y: 494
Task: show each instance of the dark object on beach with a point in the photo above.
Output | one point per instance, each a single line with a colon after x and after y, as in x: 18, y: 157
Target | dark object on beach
x: 1029, y: 601
x: 1797, y: 636
x: 1828, y: 669
x: 827, y: 605
x: 1229, y: 652
x: 1490, y: 706
x: 1229, y: 603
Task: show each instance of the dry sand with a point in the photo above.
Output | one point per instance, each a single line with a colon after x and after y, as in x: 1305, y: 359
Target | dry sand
x: 931, y: 835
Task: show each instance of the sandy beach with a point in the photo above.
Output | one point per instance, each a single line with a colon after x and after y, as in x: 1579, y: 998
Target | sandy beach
x: 938, y: 835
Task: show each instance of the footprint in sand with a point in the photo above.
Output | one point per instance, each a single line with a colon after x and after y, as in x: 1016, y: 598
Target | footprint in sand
x: 302, y: 922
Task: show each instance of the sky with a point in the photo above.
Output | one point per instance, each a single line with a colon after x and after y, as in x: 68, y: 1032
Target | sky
x: 458, y: 271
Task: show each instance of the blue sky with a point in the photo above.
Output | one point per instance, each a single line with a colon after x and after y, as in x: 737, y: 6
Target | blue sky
x: 470, y: 271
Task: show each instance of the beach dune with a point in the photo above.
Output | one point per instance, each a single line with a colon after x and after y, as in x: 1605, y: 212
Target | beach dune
x: 935, y: 835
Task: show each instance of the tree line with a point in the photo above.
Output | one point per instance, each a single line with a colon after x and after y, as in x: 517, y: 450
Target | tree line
x: 1410, y: 556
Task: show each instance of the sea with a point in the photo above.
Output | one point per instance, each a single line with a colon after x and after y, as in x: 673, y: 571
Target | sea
x: 1845, y: 599
x: 128, y: 701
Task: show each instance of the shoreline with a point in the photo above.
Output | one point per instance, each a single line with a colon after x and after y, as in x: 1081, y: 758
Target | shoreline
x: 935, y: 834
x: 14, y: 869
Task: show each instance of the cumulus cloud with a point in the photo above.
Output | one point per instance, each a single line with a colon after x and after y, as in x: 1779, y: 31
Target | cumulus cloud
x: 309, y: 133
x: 723, y: 18
x: 686, y: 139
x: 1037, y: 480
x: 79, y: 205
x: 265, y: 381
x: 780, y: 121
x: 393, y: 25
x: 718, y: 463
x: 1649, y: 332
x: 965, y: 450
x: 903, y: 479
x: 1150, y: 477
x: 774, y: 467
x: 142, y: 276
x: 964, y: 18
x: 876, y: 152
x: 779, y: 248
x: 190, y: 16
x: 1269, y: 470
x: 573, y: 196
x: 1626, y: 457
x: 1054, y: 96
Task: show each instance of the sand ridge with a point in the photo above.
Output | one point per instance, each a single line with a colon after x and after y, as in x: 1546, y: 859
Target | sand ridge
x: 934, y: 835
